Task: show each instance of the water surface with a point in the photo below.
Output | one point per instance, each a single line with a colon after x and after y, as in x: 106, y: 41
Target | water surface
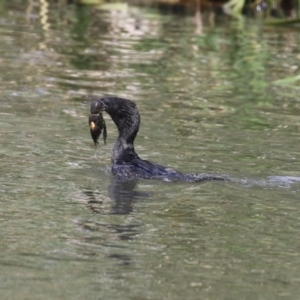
x: 209, y: 103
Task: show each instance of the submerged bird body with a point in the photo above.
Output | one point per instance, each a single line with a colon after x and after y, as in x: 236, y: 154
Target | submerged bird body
x: 126, y: 164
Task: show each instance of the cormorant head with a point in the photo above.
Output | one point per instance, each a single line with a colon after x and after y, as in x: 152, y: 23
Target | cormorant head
x: 97, y: 106
x: 122, y: 111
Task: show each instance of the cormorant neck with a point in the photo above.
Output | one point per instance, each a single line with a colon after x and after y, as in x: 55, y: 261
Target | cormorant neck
x: 123, y: 152
x: 127, y: 119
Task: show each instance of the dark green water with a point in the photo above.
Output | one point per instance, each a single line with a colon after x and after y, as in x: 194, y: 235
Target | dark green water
x: 209, y: 103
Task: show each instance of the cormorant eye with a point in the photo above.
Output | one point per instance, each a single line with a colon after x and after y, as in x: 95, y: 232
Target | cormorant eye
x: 105, y: 101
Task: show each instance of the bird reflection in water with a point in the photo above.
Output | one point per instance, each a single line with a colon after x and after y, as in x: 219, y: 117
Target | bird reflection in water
x: 123, y: 196
x: 122, y: 193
